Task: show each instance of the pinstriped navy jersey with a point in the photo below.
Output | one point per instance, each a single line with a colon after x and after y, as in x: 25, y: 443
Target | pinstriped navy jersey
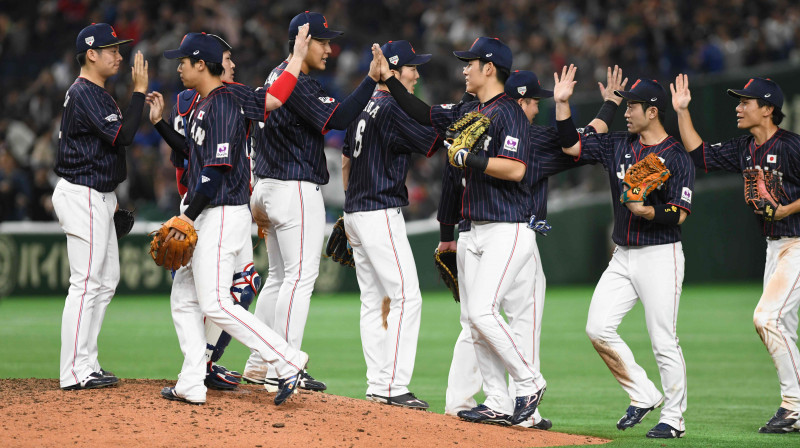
x: 781, y: 153
x: 216, y: 137
x: 617, y: 152
x: 547, y: 159
x: 293, y: 137
x: 379, y: 144
x: 90, y: 124
x: 487, y: 198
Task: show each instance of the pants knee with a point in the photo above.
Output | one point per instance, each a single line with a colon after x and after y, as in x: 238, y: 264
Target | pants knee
x: 763, y: 321
x: 595, y: 332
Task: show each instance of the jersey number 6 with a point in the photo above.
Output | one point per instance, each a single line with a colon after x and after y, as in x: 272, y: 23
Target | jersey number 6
x: 362, y: 124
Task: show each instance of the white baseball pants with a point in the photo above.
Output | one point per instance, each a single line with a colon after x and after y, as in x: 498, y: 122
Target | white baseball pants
x: 87, y: 218
x: 203, y: 289
x: 295, y: 212
x: 385, y: 268
x: 654, y: 275
x: 775, y: 316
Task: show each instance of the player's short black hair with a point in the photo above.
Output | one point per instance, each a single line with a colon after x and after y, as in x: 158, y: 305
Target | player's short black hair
x: 777, y: 114
x: 661, y: 114
x: 215, y: 68
x: 81, y: 57
x: 502, y: 72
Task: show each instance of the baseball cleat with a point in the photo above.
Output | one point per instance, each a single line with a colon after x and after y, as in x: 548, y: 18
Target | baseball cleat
x: 525, y: 406
x: 482, y: 414
x: 287, y: 387
x: 95, y: 380
x: 227, y: 372
x: 271, y: 384
x: 170, y: 394
x: 544, y: 424
x: 634, y: 415
x: 254, y: 376
x: 217, y: 378
x: 782, y: 422
x: 105, y: 372
x: 307, y: 382
x: 407, y: 400
x: 664, y: 431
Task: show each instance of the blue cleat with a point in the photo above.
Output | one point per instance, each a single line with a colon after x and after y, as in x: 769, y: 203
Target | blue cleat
x: 634, y: 415
x: 525, y: 406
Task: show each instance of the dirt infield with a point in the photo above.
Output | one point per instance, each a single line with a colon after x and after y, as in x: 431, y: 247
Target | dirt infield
x: 37, y: 414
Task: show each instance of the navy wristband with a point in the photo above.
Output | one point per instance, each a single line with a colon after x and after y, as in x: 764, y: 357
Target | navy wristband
x: 567, y: 134
x: 666, y: 214
x: 447, y: 232
x: 607, y: 111
x: 477, y: 162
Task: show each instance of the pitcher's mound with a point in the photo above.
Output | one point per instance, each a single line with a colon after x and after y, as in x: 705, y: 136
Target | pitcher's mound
x: 133, y: 414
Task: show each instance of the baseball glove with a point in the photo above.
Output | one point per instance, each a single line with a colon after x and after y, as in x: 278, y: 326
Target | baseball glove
x: 173, y: 254
x: 123, y: 222
x: 445, y: 262
x: 644, y: 177
x: 757, y: 193
x: 466, y: 135
x: 338, y: 247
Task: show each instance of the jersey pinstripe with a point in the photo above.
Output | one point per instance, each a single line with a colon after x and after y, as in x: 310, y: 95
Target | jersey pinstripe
x: 87, y: 154
x: 379, y: 144
x: 487, y: 198
x: 216, y: 137
x: 293, y: 136
x: 781, y: 153
x: 617, y: 152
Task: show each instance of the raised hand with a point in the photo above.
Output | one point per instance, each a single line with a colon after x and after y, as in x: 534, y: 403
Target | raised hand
x: 614, y: 82
x: 156, y: 102
x: 139, y: 73
x: 301, y: 42
x: 681, y: 96
x: 376, y: 66
x: 565, y: 85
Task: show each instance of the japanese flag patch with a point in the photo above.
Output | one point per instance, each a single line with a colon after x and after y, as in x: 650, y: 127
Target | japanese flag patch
x: 772, y: 158
x: 201, y: 114
x: 511, y: 143
x: 222, y: 150
x: 326, y: 99
x: 686, y: 195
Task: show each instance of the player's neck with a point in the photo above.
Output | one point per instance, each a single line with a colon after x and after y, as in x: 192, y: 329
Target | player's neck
x: 208, y: 84
x: 91, y: 75
x: 489, y: 91
x: 763, y: 132
x: 653, y: 135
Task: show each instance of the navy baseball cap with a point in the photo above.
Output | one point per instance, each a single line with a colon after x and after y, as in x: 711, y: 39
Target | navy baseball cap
x: 317, y: 26
x: 198, y: 46
x: 646, y: 91
x: 400, y: 53
x: 225, y: 45
x: 525, y: 84
x: 762, y: 89
x: 98, y: 35
x: 488, y: 49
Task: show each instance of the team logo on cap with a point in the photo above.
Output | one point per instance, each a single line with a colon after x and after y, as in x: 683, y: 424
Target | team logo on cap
x: 394, y: 60
x: 522, y: 90
x: 113, y: 33
x: 324, y: 22
x: 196, y: 52
x: 89, y: 40
x: 767, y: 95
x: 654, y: 99
x: 488, y: 55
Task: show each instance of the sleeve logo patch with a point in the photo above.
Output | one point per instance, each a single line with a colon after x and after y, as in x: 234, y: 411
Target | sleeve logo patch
x: 326, y: 99
x: 222, y: 150
x: 446, y: 106
x: 772, y: 158
x: 201, y: 114
x: 686, y: 195
x: 511, y: 143
x: 112, y: 118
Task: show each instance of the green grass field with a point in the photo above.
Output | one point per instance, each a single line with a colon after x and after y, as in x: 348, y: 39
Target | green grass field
x: 733, y: 387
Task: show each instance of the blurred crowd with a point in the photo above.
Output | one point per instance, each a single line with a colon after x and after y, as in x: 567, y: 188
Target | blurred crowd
x: 653, y: 38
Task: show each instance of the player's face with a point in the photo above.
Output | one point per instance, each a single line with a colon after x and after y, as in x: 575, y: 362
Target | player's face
x: 530, y: 106
x: 474, y: 77
x: 227, y: 67
x: 748, y: 114
x: 108, y: 61
x: 318, y: 52
x: 635, y: 115
x: 188, y: 72
x: 408, y: 76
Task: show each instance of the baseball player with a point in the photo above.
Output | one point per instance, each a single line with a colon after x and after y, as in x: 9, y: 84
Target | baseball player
x: 91, y: 163
x: 777, y: 151
x: 648, y: 263
x: 375, y: 162
x: 218, y: 192
x: 524, y: 304
x: 496, y: 201
x: 246, y: 279
x: 289, y: 168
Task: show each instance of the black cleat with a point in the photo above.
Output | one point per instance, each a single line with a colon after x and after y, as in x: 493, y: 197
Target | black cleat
x: 664, y: 431
x: 407, y: 400
x: 95, y: 380
x: 525, y: 406
x: 782, y: 422
x: 482, y: 414
x: 634, y: 415
x: 170, y: 394
x: 307, y: 382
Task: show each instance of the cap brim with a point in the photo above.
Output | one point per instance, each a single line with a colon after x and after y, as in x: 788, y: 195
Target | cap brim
x: 466, y: 55
x: 174, y: 54
x: 630, y: 96
x: 420, y: 59
x: 740, y: 94
x: 114, y: 44
x: 543, y: 93
x: 329, y: 34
